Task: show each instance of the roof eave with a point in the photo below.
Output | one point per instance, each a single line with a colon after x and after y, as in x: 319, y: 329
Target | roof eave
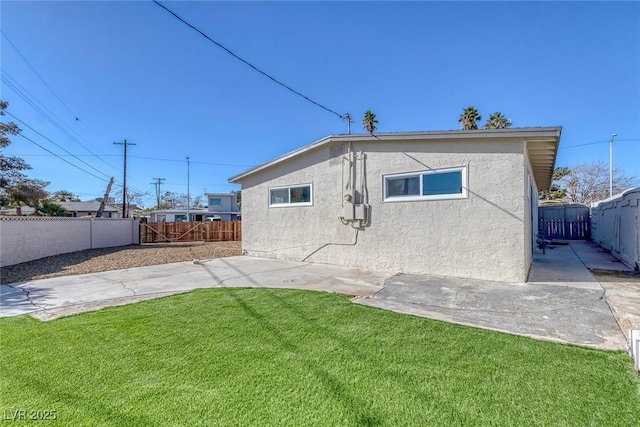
x: 523, y: 133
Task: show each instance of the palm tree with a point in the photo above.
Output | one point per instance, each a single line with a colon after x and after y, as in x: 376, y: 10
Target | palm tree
x: 369, y: 122
x: 52, y: 209
x: 497, y: 121
x: 469, y: 119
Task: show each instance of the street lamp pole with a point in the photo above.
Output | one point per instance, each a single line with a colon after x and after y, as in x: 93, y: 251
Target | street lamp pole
x: 613, y: 135
x: 188, y: 190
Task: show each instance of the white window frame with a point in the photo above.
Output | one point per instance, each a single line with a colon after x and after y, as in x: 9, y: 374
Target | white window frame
x: 419, y: 175
x: 289, y: 204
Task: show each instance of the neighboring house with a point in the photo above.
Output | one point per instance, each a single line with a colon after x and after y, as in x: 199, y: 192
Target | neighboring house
x: 74, y: 209
x: 223, y: 205
x: 178, y: 215
x: 89, y: 208
x: 25, y: 210
x: 450, y: 203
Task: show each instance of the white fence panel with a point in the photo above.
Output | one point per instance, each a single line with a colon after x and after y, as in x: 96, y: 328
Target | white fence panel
x: 28, y: 238
x: 615, y: 225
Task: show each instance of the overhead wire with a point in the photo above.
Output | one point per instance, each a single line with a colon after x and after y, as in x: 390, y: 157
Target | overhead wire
x: 63, y: 149
x: 51, y: 117
x: 55, y: 143
x: 193, y: 27
x: 598, y: 142
x: 48, y: 114
x: 61, y: 158
x: 45, y: 83
x: 36, y: 73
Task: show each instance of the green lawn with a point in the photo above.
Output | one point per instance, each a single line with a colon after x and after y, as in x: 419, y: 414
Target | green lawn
x: 279, y: 357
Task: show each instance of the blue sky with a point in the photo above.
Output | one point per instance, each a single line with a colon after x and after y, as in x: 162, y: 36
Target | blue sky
x: 129, y: 70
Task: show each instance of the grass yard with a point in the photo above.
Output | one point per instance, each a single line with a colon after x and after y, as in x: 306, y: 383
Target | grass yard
x: 282, y: 357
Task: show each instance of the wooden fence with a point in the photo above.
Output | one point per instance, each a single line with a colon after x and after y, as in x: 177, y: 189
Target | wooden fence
x: 565, y: 230
x: 564, y: 222
x: 208, y: 231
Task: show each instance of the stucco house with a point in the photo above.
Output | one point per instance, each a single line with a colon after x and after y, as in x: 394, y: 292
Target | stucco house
x: 450, y: 203
x: 177, y: 215
x: 90, y: 208
x: 224, y: 206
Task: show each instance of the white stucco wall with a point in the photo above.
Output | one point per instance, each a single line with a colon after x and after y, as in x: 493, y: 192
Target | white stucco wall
x: 481, y: 236
x: 25, y: 239
x: 530, y: 215
x: 615, y: 225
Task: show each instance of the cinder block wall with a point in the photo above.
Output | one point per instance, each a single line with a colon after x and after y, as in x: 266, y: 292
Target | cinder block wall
x: 615, y: 225
x: 25, y: 239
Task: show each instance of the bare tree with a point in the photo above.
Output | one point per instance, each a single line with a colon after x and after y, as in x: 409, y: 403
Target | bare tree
x: 588, y: 183
x: 133, y: 198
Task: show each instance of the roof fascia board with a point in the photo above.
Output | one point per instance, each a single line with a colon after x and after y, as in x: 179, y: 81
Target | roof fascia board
x: 546, y: 134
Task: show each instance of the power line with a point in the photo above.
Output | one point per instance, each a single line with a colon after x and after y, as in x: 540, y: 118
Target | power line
x: 247, y: 62
x: 46, y: 84
x: 64, y: 160
x: 136, y: 157
x: 60, y: 156
x: 57, y: 145
x: 67, y: 155
x: 597, y: 142
x: 22, y: 92
x: 182, y: 161
x: 36, y: 73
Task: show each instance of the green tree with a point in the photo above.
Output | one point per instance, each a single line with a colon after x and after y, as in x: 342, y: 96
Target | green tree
x: 63, y: 196
x: 26, y: 192
x: 52, y: 209
x: 469, y: 119
x: 369, y: 122
x: 497, y: 121
x: 15, y: 188
x: 555, y: 192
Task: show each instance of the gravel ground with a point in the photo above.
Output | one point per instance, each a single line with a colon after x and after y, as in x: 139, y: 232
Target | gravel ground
x: 97, y: 260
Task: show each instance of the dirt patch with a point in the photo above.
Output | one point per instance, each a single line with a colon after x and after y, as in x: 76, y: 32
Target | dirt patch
x: 615, y: 275
x: 105, y: 259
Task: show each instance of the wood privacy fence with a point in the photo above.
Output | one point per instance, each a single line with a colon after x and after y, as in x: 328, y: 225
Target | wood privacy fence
x: 565, y: 222
x: 208, y: 231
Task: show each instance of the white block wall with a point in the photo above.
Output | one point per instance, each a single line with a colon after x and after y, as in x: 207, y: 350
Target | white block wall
x: 615, y: 225
x: 25, y: 239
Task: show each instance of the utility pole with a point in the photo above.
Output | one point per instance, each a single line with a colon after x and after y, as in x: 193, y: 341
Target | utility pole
x: 157, y: 184
x: 347, y: 117
x: 188, y: 189
x: 125, y: 214
x: 613, y: 135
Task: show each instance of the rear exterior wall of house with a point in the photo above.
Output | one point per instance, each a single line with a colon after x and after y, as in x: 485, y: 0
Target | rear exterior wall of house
x: 484, y: 235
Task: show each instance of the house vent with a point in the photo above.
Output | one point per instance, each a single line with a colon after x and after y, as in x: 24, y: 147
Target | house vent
x: 634, y: 347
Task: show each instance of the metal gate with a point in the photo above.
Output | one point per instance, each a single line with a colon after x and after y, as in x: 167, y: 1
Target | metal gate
x: 564, y: 222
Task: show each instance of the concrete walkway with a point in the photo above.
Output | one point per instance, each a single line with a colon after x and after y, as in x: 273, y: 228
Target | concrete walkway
x: 62, y: 296
x: 563, y: 301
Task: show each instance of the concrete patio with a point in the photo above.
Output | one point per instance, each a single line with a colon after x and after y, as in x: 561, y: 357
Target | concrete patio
x: 562, y: 302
